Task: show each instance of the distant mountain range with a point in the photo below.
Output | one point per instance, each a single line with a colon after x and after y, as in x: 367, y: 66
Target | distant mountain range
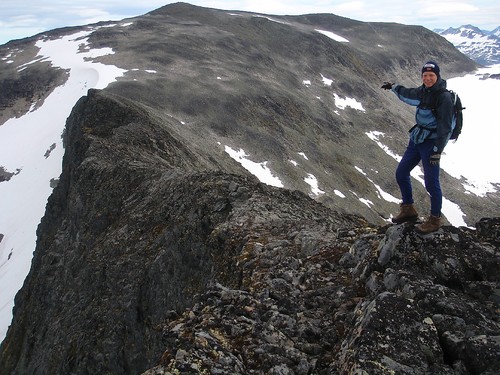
x: 480, y: 45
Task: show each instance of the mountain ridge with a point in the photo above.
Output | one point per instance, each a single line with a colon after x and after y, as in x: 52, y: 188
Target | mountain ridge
x: 152, y: 216
x: 481, y: 46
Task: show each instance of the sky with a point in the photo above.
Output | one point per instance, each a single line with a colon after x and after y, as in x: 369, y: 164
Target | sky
x: 31, y: 146
x: 24, y: 18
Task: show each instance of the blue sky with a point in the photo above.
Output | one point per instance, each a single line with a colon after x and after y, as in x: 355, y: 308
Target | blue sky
x: 23, y: 18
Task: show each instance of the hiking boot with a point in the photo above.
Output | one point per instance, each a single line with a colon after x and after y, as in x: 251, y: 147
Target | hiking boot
x: 432, y: 224
x: 407, y: 213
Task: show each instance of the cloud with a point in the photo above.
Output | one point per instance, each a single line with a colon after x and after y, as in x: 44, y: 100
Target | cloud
x: 347, y: 7
x: 445, y: 9
x: 20, y: 19
x: 25, y: 20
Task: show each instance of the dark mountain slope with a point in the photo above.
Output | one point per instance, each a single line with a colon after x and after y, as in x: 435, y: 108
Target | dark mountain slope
x: 237, y: 79
x: 130, y: 233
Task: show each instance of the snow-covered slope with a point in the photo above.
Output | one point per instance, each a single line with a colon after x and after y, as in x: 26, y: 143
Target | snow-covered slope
x: 496, y: 32
x: 31, y: 147
x: 483, y: 47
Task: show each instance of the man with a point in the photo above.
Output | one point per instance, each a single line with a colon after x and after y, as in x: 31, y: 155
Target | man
x: 434, y: 124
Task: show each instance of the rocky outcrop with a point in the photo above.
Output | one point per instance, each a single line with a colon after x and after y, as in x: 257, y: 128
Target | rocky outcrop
x: 366, y: 301
x: 24, y: 89
x: 5, y: 175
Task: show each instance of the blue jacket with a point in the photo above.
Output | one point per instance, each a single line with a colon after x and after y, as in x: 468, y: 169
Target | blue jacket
x: 436, y: 125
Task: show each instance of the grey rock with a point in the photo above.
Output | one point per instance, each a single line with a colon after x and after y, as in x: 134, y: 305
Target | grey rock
x: 389, y: 244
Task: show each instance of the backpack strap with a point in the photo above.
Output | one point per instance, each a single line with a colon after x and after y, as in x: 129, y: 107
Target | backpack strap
x: 432, y: 104
x: 435, y: 96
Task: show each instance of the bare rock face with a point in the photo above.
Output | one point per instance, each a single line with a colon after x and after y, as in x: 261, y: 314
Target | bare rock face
x: 431, y: 306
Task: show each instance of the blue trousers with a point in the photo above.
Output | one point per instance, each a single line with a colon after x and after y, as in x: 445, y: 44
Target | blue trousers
x: 412, y: 156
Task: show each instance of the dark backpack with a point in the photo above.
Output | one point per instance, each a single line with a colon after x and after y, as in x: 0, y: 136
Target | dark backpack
x: 457, y: 112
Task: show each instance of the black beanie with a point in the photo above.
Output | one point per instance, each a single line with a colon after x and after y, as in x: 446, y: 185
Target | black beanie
x: 431, y: 66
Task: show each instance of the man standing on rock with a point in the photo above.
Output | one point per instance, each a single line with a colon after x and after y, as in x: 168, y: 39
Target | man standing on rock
x: 434, y: 125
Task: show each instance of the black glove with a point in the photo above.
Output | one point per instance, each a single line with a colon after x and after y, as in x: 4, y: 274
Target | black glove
x: 387, y: 85
x: 435, y: 159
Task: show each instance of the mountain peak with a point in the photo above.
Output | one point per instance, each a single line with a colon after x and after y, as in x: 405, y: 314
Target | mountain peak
x: 483, y: 47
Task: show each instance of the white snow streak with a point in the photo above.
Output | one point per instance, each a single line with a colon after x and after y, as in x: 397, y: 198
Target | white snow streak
x: 381, y: 193
x: 333, y: 36
x: 259, y: 170
x: 312, y: 181
x: 339, y: 193
x: 326, y: 81
x: 303, y: 155
x: 348, y: 102
x: 271, y: 19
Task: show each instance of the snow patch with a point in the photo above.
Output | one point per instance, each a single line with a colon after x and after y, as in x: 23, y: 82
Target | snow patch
x: 333, y: 36
x: 339, y: 193
x: 326, y: 81
x: 271, y: 19
x: 259, y: 170
x: 343, y: 103
x: 303, y: 155
x: 312, y: 181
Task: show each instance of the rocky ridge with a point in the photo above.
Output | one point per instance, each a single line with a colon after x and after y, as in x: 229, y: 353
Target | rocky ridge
x: 363, y: 301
